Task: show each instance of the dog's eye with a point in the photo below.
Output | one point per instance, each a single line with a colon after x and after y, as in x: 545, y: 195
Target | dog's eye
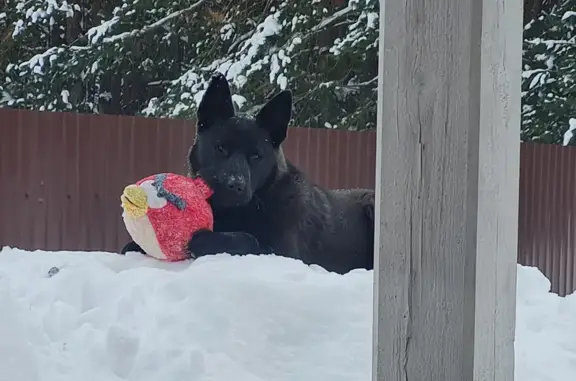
x: 220, y: 148
x: 255, y: 157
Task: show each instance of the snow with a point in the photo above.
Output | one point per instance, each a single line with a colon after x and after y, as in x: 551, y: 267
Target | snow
x: 66, y: 97
x: 99, y: 316
x: 355, y: 34
x: 227, y: 32
x: 568, y: 14
x: 96, y: 33
x: 545, y: 334
x: 137, y: 32
x: 265, y: 30
x: 282, y: 81
x: 570, y: 132
x: 18, y: 28
x: 239, y: 100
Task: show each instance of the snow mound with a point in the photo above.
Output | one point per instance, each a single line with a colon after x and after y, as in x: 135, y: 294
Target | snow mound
x: 104, y: 317
x: 545, y: 330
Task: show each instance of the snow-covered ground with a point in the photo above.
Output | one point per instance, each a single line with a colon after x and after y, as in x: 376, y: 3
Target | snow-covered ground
x: 106, y: 317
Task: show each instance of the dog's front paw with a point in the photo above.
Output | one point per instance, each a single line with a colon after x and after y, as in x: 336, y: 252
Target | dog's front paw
x: 206, y: 242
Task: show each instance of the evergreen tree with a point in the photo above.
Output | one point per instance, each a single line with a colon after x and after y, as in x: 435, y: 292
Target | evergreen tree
x: 103, y: 68
x: 549, y: 76
x: 155, y: 57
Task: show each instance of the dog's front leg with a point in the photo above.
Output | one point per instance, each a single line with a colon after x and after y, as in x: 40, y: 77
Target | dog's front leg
x: 205, y: 242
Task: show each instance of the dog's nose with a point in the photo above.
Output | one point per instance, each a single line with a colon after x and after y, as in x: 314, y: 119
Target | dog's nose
x: 236, y: 183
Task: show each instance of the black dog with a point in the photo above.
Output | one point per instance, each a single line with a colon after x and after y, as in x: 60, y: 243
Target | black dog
x: 262, y: 203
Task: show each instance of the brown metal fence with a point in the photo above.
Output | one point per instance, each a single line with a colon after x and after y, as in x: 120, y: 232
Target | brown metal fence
x: 61, y: 175
x: 547, y: 217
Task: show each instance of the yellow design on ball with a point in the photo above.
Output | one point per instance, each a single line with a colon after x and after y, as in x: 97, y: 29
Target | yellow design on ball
x: 134, y: 201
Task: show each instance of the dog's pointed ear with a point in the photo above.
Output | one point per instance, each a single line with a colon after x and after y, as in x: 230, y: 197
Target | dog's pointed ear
x: 275, y: 116
x: 216, y: 103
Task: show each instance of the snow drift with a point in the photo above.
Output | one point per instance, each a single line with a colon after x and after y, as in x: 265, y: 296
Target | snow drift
x: 106, y: 317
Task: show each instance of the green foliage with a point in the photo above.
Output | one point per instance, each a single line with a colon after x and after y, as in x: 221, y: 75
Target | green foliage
x: 549, y: 74
x: 154, y: 57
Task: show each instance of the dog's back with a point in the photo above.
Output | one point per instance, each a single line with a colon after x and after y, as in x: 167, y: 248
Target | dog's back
x: 345, y: 239
x: 353, y: 213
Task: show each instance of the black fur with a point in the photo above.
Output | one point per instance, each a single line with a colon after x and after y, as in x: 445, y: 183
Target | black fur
x: 262, y: 203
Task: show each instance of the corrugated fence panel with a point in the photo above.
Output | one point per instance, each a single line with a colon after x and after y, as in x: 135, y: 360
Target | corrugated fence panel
x: 61, y: 175
x: 334, y: 158
x: 547, y: 210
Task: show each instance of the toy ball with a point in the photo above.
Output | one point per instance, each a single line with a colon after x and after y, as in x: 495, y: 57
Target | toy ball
x: 162, y: 211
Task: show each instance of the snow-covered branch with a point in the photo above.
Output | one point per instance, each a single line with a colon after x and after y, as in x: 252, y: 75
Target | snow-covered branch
x: 362, y: 84
x: 332, y: 19
x: 326, y: 22
x: 549, y: 43
x: 240, y: 40
x: 151, y: 27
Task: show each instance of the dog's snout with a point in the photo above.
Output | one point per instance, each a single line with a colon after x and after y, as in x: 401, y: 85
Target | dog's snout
x: 236, y: 183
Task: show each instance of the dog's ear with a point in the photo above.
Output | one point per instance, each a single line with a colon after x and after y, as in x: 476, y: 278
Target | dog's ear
x: 275, y: 116
x: 216, y: 103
